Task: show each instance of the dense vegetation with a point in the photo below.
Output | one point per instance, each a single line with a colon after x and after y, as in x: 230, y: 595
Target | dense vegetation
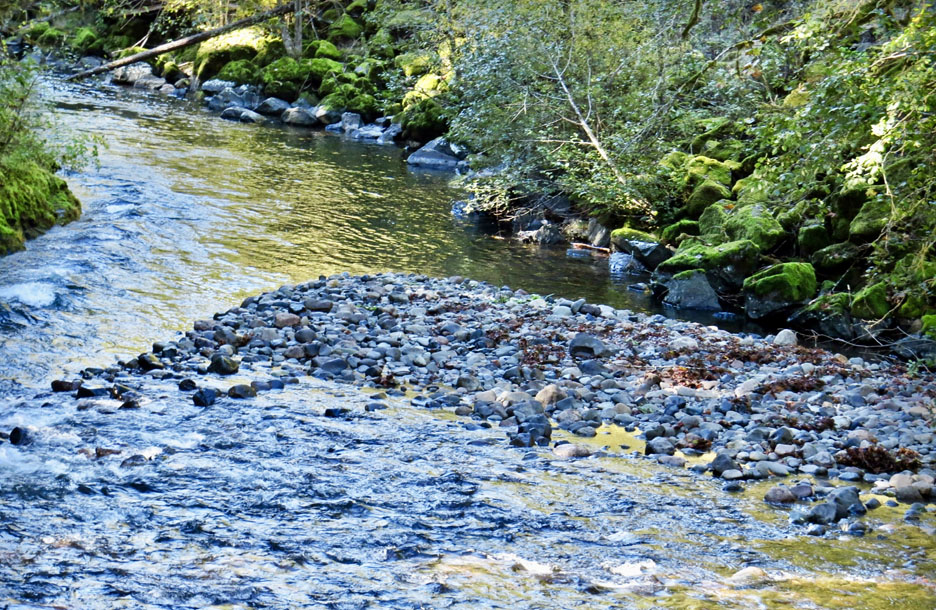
x: 741, y: 134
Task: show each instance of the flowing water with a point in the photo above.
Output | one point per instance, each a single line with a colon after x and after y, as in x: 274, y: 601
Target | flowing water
x: 268, y: 503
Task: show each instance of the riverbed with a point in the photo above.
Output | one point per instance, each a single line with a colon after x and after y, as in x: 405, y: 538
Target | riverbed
x: 274, y: 502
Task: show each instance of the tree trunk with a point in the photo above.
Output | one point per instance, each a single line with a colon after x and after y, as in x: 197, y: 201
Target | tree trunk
x: 188, y: 41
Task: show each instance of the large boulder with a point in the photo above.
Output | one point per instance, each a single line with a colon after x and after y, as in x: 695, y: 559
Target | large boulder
x: 828, y: 314
x: 870, y: 220
x: 726, y: 265
x: 438, y: 154
x: 273, y: 106
x: 704, y: 195
x: 215, y: 86
x: 299, y: 117
x: 755, y: 223
x: 642, y: 246
x: 127, y: 75
x: 870, y: 303
x: 835, y: 257
x: 778, y: 288
x: 691, y: 290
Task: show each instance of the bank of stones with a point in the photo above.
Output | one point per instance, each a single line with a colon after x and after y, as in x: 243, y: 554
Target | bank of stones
x: 528, y: 365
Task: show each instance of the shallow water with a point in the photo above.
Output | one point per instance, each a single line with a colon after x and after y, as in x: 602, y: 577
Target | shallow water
x: 268, y: 502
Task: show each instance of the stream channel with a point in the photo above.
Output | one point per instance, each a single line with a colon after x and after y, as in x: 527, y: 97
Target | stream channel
x: 266, y: 503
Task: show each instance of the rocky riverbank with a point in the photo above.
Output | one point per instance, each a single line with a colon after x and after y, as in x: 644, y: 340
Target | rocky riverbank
x: 534, y: 369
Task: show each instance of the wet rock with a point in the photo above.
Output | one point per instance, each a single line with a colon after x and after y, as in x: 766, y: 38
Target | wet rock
x: 128, y: 75
x: 748, y: 577
x: 242, y: 390
x: 660, y: 445
x: 722, y: 463
x: 908, y: 494
x: 438, y: 154
x: 823, y: 513
x: 299, y: 117
x: 570, y: 450
x: 215, y: 86
x: 691, y: 290
x: 89, y: 391
x: 150, y: 362
x: 780, y: 494
x: 60, y: 385
x: 223, y: 365
x: 205, y: 397
x: 19, y: 436
x: 273, y: 106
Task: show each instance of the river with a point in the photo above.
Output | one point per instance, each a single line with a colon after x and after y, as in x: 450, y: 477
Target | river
x: 268, y: 503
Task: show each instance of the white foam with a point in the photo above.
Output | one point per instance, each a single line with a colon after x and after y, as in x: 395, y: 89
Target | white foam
x: 33, y: 294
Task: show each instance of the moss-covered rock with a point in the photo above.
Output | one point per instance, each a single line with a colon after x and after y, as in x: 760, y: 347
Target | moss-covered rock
x: 704, y: 195
x: 828, y: 314
x: 52, y: 38
x: 627, y: 233
x: 345, y: 29
x: 359, y: 7
x: 269, y: 49
x: 424, y: 121
x: 320, y: 67
x: 413, y: 64
x: 677, y: 231
x: 242, y: 72
x: 700, y: 169
x: 716, y: 128
x: 914, y: 306
x: 32, y: 200
x: 870, y: 220
x: 929, y: 326
x: 778, y: 288
x: 381, y: 44
x: 83, y: 39
x: 751, y: 190
x: 870, y: 303
x: 406, y: 22
x: 725, y: 264
x: 675, y: 161
x: 170, y: 71
x: 215, y: 53
x: 322, y: 49
x: 365, y: 105
x: 755, y: 223
x: 835, y: 257
x: 724, y: 150
x: 811, y: 238
x: 285, y: 77
x: 845, y: 205
x: 712, y: 222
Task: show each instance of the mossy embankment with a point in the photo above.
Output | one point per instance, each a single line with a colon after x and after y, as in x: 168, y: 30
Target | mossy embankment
x: 32, y: 200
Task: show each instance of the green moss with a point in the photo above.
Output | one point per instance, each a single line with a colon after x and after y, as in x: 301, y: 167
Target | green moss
x: 322, y: 49
x: 688, y: 274
x: 789, y: 282
x: 755, y: 223
x: 241, y: 71
x: 700, y: 169
x: 712, y: 221
x: 929, y: 326
x: 626, y: 233
x: 413, y: 64
x: 52, y: 37
x: 811, y: 238
x: 704, y: 195
x: 724, y: 150
x: 870, y: 220
x: 405, y: 23
x: 32, y: 200
x: 712, y: 129
x: 83, y: 39
x: 335, y: 101
x: 740, y: 255
x: 913, y: 307
x: 171, y: 71
x: 751, y: 190
x: 358, y: 8
x: 345, y: 28
x: 34, y: 31
x: 870, y: 303
x: 835, y: 257
x: 269, y: 49
x: 674, y: 161
x: 214, y: 54
x: 673, y: 233
x: 381, y: 44
x: 364, y: 104
x: 320, y: 67
x: 132, y: 51
x: 424, y: 121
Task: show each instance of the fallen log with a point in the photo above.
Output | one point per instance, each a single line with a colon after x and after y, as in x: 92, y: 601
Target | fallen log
x: 181, y: 43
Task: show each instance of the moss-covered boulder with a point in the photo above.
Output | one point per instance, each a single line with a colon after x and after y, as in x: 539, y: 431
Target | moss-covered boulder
x: 755, y: 223
x: 691, y: 290
x: 704, y: 195
x: 323, y: 49
x: 405, y: 23
x: 345, y: 29
x: 643, y: 246
x: 827, y: 314
x: 701, y: 169
x: 712, y: 222
x: 674, y: 161
x: 778, y: 288
x: 914, y: 306
x: 284, y: 78
x: 32, y: 200
x: 381, y: 44
x: 242, y: 72
x: 413, y: 63
x: 715, y: 128
x: 811, y: 238
x: 44, y: 35
x: 365, y: 105
x: 845, y: 205
x: 269, y: 49
x: 676, y: 232
x: 870, y: 220
x: 424, y: 121
x: 835, y: 257
x: 320, y: 67
x: 870, y: 303
x: 357, y: 8
x: 83, y: 39
x: 215, y: 53
x: 929, y: 326
x: 726, y: 265
x: 751, y: 190
x: 626, y: 233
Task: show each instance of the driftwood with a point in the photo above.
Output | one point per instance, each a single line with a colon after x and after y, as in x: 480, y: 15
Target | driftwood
x: 181, y: 43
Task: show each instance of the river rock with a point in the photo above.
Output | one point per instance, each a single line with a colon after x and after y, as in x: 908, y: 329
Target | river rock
x: 723, y: 462
x: 780, y: 494
x: 299, y: 117
x: 691, y: 290
x: 326, y: 116
x: 150, y: 83
x: 205, y: 397
x: 438, y: 154
x: 242, y: 390
x: 367, y: 132
x: 785, y: 338
x: 273, y: 106
x: 390, y: 135
x: 223, y: 365
x: 823, y: 513
x: 584, y: 345
x: 748, y: 577
x: 660, y: 445
x: 570, y: 450
x: 284, y: 319
x: 649, y: 254
x: 351, y: 121
x: 215, y: 86
x: 127, y: 75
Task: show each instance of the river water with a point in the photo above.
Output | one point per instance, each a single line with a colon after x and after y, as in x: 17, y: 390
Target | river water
x: 268, y: 503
